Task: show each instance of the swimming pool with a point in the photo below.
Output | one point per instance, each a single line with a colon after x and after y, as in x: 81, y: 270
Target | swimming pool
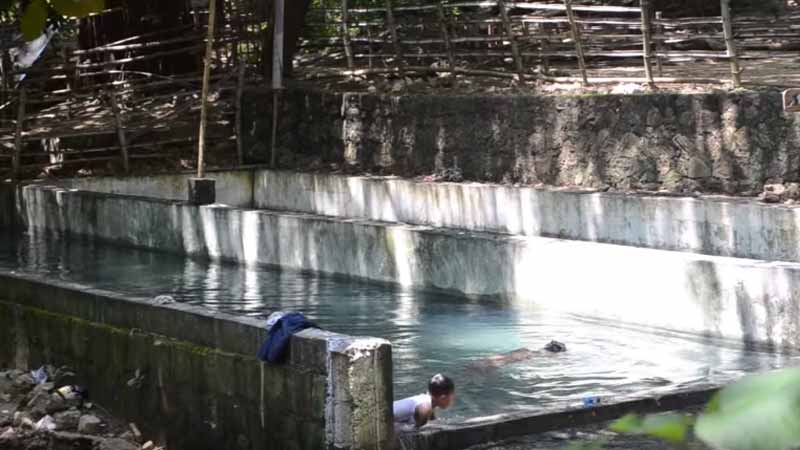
x: 430, y: 332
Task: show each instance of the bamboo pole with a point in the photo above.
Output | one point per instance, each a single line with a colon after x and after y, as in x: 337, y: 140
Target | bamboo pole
x: 277, y: 76
x: 348, y: 50
x: 576, y: 36
x: 201, y: 146
x: 446, y: 36
x: 123, y: 142
x: 390, y: 22
x: 510, y: 35
x: 239, y: 91
x: 730, y: 42
x: 660, y: 31
x: 647, y: 42
x: 18, y: 142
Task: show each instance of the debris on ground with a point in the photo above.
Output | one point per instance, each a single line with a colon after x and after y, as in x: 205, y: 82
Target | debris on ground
x: 44, y: 410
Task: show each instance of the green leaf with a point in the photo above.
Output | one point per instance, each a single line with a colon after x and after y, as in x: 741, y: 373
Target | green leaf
x: 760, y: 412
x: 34, y: 20
x: 78, y: 8
x: 671, y: 427
x: 630, y: 423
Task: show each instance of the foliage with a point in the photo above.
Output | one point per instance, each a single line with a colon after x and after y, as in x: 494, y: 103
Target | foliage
x: 34, y: 15
x: 760, y: 412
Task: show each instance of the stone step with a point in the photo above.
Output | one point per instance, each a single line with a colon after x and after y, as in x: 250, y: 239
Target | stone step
x: 712, y: 225
x: 741, y: 299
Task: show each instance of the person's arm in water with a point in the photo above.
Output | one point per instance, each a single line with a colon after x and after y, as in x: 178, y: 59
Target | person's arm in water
x: 518, y: 355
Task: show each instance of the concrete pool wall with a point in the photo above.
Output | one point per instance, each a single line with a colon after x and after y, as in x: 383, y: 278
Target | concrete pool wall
x: 712, y: 225
x: 749, y: 301
x: 190, y: 375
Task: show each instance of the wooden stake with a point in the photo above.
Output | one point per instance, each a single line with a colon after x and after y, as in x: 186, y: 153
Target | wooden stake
x: 660, y: 30
x: 123, y: 142
x: 201, y: 146
x: 648, y: 46
x: 18, y: 142
x: 576, y: 36
x: 730, y: 42
x: 239, y: 91
x: 446, y: 36
x: 348, y: 49
x: 393, y: 31
x: 510, y: 35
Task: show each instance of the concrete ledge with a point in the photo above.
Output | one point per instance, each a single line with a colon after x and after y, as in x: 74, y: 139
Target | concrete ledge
x: 746, y: 301
x: 233, y: 187
x: 459, y: 437
x: 192, y: 359
x: 723, y: 226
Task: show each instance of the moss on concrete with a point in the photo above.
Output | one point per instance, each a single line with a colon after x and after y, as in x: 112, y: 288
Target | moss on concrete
x: 190, y: 395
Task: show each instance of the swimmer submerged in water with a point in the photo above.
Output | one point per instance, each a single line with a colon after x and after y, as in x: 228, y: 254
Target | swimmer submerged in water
x: 519, y: 355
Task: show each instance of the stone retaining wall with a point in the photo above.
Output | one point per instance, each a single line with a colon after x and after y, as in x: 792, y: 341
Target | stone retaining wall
x: 190, y: 376
x: 716, y: 142
x: 749, y: 301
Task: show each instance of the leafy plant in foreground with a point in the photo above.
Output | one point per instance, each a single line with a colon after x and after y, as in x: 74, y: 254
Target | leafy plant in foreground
x: 760, y: 412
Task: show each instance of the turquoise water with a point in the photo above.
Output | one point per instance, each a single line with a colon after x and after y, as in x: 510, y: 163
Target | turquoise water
x: 430, y: 333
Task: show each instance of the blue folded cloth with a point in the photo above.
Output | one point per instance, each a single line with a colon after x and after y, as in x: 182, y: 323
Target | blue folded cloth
x: 280, y: 328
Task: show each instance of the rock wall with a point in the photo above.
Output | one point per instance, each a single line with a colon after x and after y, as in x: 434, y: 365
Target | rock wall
x: 717, y: 142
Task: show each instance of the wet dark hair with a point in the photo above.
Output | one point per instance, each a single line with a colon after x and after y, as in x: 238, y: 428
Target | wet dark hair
x: 441, y: 385
x: 555, y: 347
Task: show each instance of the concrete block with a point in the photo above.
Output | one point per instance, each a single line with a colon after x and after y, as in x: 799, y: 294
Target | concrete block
x: 309, y: 349
x: 202, y: 191
x: 8, y: 212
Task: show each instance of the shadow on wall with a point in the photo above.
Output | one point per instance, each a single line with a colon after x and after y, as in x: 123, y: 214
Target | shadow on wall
x: 720, y: 142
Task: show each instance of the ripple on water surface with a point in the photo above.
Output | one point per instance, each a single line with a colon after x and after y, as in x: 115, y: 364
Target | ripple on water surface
x: 430, y: 333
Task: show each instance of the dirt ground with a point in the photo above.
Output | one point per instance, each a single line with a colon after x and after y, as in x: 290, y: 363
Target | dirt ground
x: 49, y: 413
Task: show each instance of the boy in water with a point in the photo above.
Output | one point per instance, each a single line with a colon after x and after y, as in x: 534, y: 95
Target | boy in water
x: 418, y: 410
x: 522, y: 354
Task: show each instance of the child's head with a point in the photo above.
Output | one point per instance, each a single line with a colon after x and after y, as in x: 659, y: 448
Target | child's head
x: 442, y: 391
x: 555, y: 347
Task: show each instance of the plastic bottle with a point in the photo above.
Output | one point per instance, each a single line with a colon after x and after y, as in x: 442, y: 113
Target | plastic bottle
x: 591, y: 401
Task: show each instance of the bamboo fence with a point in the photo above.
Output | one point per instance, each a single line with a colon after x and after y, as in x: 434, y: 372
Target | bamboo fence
x: 105, y: 107
x: 548, y: 41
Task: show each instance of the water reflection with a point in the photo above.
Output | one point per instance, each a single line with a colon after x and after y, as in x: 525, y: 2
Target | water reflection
x: 430, y: 332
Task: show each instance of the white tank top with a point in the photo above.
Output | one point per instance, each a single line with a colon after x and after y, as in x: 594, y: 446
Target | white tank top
x: 404, y: 409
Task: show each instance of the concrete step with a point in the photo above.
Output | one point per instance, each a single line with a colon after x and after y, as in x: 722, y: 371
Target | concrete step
x: 723, y: 226
x: 742, y: 299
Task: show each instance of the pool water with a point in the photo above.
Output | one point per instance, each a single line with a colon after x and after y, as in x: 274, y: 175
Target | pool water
x: 430, y: 332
